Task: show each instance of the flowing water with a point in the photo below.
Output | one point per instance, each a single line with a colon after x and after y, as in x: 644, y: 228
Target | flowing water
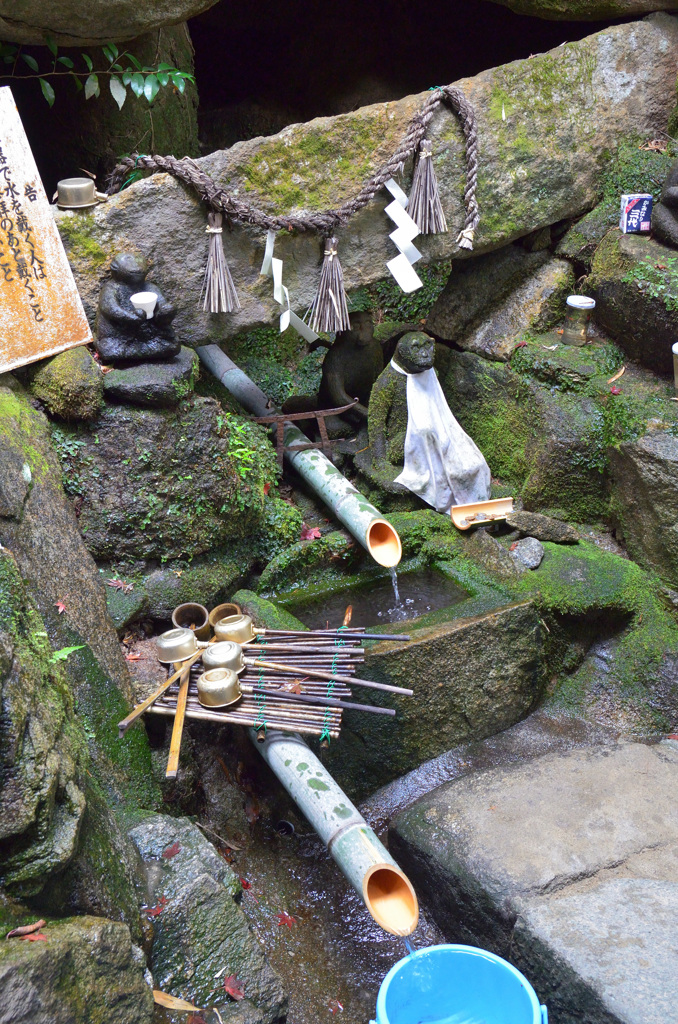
x: 394, y: 599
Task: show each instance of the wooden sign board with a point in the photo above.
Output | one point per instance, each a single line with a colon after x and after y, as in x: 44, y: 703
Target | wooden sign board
x: 40, y: 309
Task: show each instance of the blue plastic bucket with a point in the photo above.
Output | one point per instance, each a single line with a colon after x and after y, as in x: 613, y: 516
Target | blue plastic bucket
x: 457, y: 985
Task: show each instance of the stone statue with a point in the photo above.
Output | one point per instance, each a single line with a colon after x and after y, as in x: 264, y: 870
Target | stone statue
x: 415, y: 443
x: 665, y: 213
x: 350, y: 368
x: 123, y: 332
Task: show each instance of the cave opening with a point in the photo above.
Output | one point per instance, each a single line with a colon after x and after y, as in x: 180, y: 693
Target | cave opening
x: 262, y: 67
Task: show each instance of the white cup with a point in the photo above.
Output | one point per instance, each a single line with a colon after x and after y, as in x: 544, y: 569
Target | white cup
x: 146, y: 301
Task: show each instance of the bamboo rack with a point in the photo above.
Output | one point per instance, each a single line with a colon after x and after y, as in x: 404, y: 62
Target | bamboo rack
x: 272, y: 710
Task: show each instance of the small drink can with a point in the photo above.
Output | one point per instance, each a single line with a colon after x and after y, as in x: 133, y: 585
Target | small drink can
x: 636, y: 213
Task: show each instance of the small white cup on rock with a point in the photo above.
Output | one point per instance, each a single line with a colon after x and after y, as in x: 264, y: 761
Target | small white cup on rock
x: 145, y: 301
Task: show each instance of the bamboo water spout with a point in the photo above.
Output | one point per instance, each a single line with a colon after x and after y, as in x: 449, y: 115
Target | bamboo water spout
x: 360, y: 517
x: 369, y: 867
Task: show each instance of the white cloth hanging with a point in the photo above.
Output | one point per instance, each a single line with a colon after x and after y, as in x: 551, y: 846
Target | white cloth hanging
x: 443, y: 465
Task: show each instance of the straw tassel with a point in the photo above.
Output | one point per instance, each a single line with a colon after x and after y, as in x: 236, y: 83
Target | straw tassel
x: 218, y: 287
x: 329, y: 311
x: 424, y: 206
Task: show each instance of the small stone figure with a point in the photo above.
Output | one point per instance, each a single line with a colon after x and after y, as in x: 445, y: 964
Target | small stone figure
x: 350, y: 368
x: 123, y: 332
x: 665, y: 213
x: 415, y: 442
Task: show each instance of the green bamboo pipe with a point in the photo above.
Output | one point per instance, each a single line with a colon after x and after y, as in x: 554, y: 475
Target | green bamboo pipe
x: 384, y: 888
x: 352, y: 508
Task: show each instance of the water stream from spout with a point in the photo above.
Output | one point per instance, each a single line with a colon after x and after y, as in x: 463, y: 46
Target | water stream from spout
x: 399, y: 612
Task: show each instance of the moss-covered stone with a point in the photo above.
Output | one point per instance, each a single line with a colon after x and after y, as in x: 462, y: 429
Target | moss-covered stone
x: 586, y: 593
x: 265, y: 613
x: 87, y: 970
x: 70, y: 385
x: 635, y: 283
x: 38, y: 526
x: 42, y: 747
x: 164, y: 484
x: 294, y: 567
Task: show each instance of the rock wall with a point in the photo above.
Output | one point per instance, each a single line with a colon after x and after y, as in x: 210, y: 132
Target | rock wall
x: 103, y: 21
x: 587, y: 10
x: 545, y: 127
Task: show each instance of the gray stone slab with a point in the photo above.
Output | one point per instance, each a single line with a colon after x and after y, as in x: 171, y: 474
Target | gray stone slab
x: 620, y: 939
x: 568, y: 866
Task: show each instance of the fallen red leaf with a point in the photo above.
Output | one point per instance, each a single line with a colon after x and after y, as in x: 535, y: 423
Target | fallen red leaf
x: 615, y: 390
x: 60, y: 607
x: 195, y: 1018
x: 245, y: 884
x: 154, y: 911
x: 171, y: 851
x: 119, y: 585
x: 34, y: 937
x: 514, y: 546
x: 521, y: 344
x: 309, y: 532
x: 335, y: 1006
x: 134, y: 656
x: 267, y: 488
x: 234, y: 988
x: 25, y: 929
x: 285, y: 918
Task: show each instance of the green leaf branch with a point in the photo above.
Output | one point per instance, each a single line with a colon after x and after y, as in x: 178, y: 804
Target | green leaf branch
x: 124, y: 72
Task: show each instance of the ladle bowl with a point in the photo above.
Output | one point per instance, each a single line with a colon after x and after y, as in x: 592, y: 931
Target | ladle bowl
x: 192, y: 616
x: 176, y: 645
x: 237, y: 628
x: 218, y: 688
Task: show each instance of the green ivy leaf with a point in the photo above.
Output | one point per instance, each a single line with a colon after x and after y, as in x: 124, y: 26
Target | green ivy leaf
x: 179, y: 82
x: 31, y: 61
x: 7, y: 50
x: 126, y: 77
x: 51, y: 46
x: 78, y: 84
x: 151, y: 87
x: 66, y: 61
x: 118, y: 91
x: 47, y: 91
x: 166, y: 67
x: 137, y: 84
x: 88, y: 60
x: 137, y: 63
x: 163, y: 78
x: 108, y: 53
x: 64, y: 653
x: 92, y: 87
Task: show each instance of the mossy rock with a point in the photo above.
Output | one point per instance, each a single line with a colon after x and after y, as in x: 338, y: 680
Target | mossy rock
x: 70, y: 385
x: 294, y: 566
x: 634, y: 280
x: 165, y: 484
x: 265, y: 613
x: 87, y: 970
x: 42, y: 801
x: 586, y: 593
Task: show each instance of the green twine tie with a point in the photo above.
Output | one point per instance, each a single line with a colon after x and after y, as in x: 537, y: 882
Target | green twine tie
x: 325, y: 734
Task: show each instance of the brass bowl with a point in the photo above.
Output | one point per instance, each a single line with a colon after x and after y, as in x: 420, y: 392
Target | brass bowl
x: 237, y: 628
x: 193, y: 615
x: 224, y: 654
x: 222, y: 610
x: 218, y: 688
x: 176, y: 645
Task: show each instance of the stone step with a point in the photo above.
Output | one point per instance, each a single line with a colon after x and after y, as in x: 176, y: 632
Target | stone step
x: 567, y: 866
